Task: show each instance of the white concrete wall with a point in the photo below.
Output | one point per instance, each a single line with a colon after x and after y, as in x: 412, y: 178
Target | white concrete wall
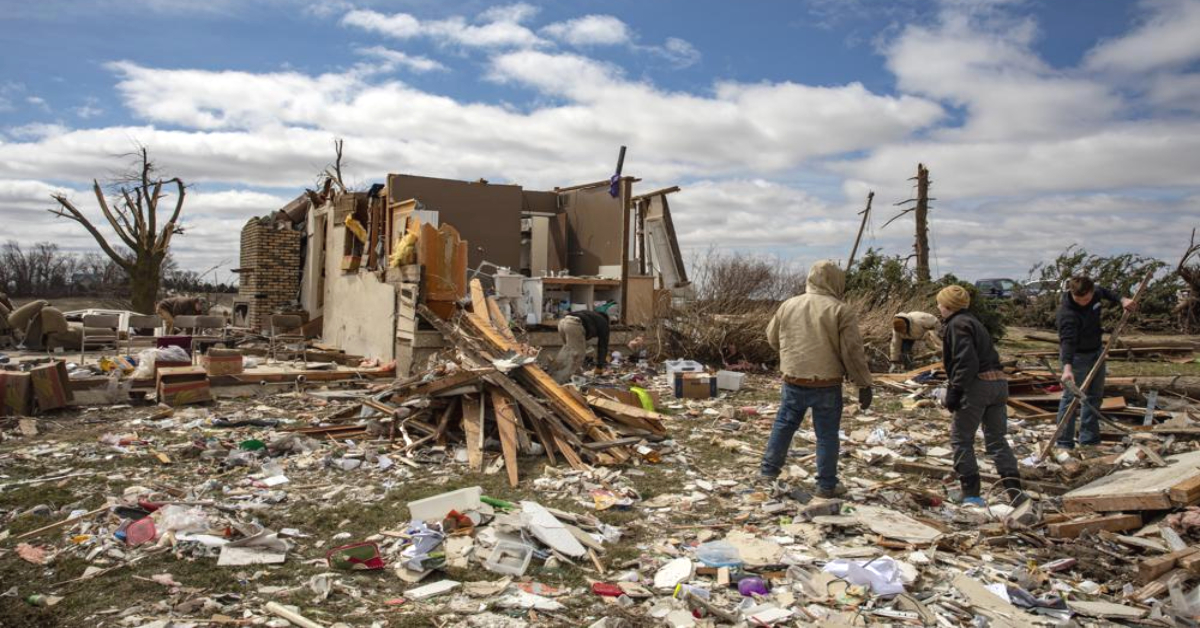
x: 360, y: 310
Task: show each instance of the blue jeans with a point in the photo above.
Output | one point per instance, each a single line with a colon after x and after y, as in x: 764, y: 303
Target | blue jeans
x: 826, y: 404
x: 1089, y: 425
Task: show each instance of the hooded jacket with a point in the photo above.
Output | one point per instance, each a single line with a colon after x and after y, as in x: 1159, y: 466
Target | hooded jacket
x: 1079, y: 328
x: 922, y: 326
x: 817, y: 334
x: 967, y: 350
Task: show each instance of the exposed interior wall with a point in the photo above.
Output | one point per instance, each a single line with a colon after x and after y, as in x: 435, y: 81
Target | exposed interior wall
x: 359, y: 309
x: 487, y: 216
x: 312, y: 295
x: 594, y: 228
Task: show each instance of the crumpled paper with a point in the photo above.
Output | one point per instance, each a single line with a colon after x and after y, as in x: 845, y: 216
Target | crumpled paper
x: 882, y: 574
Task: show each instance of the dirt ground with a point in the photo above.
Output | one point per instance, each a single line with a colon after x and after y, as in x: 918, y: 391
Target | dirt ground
x: 695, y: 487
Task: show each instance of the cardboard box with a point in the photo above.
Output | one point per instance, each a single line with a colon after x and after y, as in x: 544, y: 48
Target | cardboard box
x: 219, y: 362
x: 51, y: 386
x: 15, y: 397
x: 695, y: 386
x: 183, y: 385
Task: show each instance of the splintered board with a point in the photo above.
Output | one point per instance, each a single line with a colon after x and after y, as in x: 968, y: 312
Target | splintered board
x: 1136, y: 489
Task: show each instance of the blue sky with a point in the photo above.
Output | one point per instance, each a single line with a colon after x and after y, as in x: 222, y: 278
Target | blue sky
x: 1044, y: 123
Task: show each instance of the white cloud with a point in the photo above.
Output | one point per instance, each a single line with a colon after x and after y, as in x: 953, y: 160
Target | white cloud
x: 678, y: 52
x: 590, y: 30
x: 498, y: 27
x: 396, y: 59
x: 1034, y: 157
x: 38, y: 102
x: 1170, y: 37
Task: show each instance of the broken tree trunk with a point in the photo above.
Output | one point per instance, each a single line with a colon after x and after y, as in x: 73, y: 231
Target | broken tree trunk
x: 922, y: 216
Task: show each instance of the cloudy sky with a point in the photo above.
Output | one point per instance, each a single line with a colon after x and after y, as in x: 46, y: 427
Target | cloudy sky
x: 1043, y: 123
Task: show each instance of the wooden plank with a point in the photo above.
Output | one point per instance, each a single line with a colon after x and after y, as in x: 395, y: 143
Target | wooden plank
x: 1135, y: 488
x: 1151, y: 569
x: 1159, y: 587
x: 1186, y: 492
x: 573, y: 411
x: 472, y: 422
x: 444, y: 421
x: 1191, y: 562
x: 442, y: 384
x: 562, y: 438
x: 506, y: 423
x: 499, y: 320
x: 1111, y: 523
x: 629, y: 415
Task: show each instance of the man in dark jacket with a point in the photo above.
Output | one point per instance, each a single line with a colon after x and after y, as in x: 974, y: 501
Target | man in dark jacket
x: 576, y: 329
x: 1080, y: 338
x: 977, y: 394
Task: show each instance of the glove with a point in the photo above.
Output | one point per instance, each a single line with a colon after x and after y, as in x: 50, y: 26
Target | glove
x: 865, y: 396
x: 954, y: 399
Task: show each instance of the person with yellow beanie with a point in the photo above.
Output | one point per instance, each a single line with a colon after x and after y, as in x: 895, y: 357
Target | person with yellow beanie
x: 977, y: 394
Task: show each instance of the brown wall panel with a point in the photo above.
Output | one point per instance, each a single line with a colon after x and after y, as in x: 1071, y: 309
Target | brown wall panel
x: 593, y: 229
x: 487, y: 216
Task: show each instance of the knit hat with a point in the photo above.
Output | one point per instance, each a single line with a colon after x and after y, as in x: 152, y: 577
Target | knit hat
x: 954, y: 297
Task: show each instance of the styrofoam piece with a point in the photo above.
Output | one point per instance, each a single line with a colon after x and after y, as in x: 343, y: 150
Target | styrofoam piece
x: 546, y: 528
x: 672, y: 573
x: 435, y: 589
x: 509, y: 558
x: 437, y: 507
x: 730, y: 380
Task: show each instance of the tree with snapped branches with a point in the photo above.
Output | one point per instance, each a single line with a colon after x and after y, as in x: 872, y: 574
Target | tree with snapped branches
x: 133, y: 214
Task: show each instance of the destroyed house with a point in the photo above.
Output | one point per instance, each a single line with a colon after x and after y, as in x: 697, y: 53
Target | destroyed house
x: 355, y: 265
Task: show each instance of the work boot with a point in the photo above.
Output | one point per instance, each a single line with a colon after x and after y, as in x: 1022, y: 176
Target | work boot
x: 830, y: 493
x: 970, y: 486
x: 1014, y: 493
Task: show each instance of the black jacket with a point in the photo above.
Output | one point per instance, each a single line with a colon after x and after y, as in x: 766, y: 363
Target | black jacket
x: 1079, y: 329
x: 967, y: 350
x: 595, y: 325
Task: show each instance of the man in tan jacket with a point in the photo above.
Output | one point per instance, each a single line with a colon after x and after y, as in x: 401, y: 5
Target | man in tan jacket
x: 819, y: 345
x: 907, y: 330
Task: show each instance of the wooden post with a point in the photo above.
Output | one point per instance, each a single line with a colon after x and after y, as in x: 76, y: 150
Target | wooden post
x: 1112, y: 340
x: 922, y: 213
x: 866, y: 213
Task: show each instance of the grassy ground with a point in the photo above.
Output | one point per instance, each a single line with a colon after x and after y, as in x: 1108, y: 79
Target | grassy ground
x: 71, y: 445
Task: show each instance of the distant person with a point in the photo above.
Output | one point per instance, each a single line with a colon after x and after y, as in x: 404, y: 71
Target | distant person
x: 1080, y: 338
x: 977, y: 394
x: 909, y: 329
x: 575, y: 329
x: 168, y: 309
x: 819, y: 345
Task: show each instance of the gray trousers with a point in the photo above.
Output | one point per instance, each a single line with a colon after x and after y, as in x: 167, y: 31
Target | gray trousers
x: 984, y: 404
x: 574, y: 348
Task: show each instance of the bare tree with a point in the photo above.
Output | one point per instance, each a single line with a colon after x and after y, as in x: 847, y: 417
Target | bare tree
x: 1188, y: 308
x: 133, y: 215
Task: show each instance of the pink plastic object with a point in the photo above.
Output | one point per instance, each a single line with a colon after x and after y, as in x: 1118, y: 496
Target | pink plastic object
x: 140, y: 531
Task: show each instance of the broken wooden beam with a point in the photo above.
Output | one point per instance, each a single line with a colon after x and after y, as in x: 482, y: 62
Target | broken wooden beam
x: 507, y: 421
x: 628, y: 415
x: 1151, y: 569
x: 1111, y: 523
x: 472, y: 422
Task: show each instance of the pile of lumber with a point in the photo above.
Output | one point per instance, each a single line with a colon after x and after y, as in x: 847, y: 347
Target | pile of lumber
x: 470, y: 398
